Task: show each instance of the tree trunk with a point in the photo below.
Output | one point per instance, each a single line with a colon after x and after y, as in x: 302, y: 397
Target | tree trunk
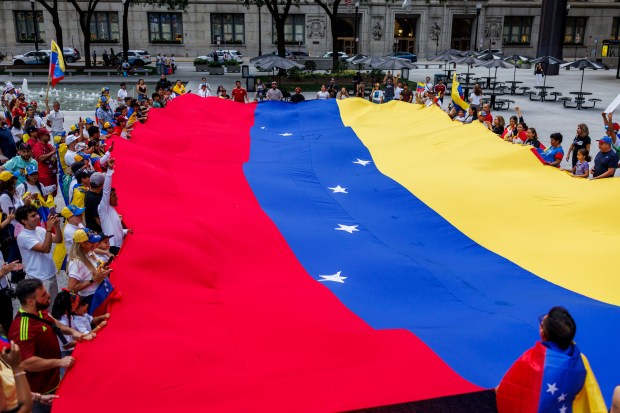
x: 334, y: 24
x: 126, y: 30
x: 57, y: 29
x: 280, y: 42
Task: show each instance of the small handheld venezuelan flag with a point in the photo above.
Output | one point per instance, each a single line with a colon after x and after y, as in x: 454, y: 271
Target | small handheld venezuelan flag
x: 57, y: 64
x: 4, y: 342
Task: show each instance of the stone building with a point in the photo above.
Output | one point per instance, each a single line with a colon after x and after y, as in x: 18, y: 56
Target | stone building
x: 383, y: 26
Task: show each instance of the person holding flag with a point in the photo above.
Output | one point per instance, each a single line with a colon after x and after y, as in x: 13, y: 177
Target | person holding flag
x: 457, y: 96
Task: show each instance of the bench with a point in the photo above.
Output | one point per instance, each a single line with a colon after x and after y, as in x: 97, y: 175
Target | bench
x: 33, y: 71
x: 556, y: 94
x: 565, y: 100
x: 502, y: 104
x: 594, y: 100
x: 524, y: 90
x: 107, y: 71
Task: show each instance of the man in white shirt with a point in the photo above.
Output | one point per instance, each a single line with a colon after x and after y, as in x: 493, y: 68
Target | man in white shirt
x: 55, y: 118
x: 111, y: 223
x: 35, y: 246
x: 73, y: 215
x: 204, y: 91
x: 121, y: 95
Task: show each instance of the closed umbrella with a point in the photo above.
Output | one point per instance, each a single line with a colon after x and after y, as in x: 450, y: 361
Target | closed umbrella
x: 583, y: 64
x: 547, y: 60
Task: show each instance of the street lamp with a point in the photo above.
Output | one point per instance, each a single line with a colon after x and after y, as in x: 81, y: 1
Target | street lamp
x: 478, y: 9
x: 36, y: 28
x: 357, y: 7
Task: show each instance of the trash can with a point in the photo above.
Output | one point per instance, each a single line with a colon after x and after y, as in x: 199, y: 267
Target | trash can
x: 245, y: 71
x: 250, y: 84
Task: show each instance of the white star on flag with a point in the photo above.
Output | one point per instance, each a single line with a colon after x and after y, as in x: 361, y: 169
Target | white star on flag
x: 563, y: 409
x: 361, y: 162
x: 348, y: 228
x: 551, y: 388
x: 285, y: 134
x: 334, y: 277
x: 562, y: 397
x: 262, y: 127
x: 338, y: 189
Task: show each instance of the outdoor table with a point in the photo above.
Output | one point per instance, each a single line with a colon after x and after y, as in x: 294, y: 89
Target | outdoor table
x: 543, y: 93
x: 513, y: 85
x: 579, y: 100
x: 488, y: 80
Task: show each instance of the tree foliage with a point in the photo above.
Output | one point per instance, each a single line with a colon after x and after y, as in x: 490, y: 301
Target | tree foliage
x: 279, y: 10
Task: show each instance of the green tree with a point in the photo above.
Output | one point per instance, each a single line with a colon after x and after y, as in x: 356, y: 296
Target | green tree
x: 52, y: 9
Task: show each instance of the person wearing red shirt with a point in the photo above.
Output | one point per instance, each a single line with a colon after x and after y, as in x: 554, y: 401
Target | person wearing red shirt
x: 239, y: 94
x: 35, y: 332
x: 440, y: 90
x: 45, y: 155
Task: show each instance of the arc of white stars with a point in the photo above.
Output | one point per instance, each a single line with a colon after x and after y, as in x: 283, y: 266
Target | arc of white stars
x: 562, y: 397
x: 285, y: 134
x: 551, y: 388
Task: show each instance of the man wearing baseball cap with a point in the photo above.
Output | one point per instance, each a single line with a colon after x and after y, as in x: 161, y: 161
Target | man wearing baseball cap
x: 606, y: 160
x: 19, y: 163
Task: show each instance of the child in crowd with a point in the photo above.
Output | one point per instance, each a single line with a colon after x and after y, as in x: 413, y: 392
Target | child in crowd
x: 86, y: 323
x: 581, y: 168
x: 65, y: 305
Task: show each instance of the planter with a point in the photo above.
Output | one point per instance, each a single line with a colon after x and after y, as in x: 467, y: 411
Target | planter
x: 216, y: 70
x: 202, y: 67
x: 233, y: 69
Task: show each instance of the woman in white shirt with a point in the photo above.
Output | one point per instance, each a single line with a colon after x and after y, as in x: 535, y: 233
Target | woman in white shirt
x: 343, y: 94
x: 17, y: 130
x: 323, y: 94
x: 475, y: 97
x: 84, y: 269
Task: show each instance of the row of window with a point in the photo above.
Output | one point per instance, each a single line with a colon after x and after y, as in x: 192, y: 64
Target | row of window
x: 230, y: 28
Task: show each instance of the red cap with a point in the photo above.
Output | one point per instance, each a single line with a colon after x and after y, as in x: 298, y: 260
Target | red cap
x: 616, y: 127
x: 121, y: 119
x: 43, y: 131
x: 33, y: 103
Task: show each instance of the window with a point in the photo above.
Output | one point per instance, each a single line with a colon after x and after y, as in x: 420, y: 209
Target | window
x: 24, y: 28
x: 517, y: 30
x: 575, y: 30
x: 229, y: 28
x: 165, y: 28
x: 104, y: 27
x: 615, y: 29
x: 294, y: 29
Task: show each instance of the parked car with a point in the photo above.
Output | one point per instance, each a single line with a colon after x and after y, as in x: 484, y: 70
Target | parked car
x: 41, y: 57
x: 71, y: 54
x: 341, y: 55
x: 136, y: 57
x: 299, y: 54
x: 233, y: 55
x: 404, y: 55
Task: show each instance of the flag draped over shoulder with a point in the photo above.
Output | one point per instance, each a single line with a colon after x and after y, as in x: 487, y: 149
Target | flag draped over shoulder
x: 57, y: 64
x: 545, y: 380
x: 457, y: 95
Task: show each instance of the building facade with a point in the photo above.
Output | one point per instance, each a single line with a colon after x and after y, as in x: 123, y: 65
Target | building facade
x: 382, y: 26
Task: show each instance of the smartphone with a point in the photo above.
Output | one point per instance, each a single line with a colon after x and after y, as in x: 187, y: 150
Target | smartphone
x: 11, y: 210
x: 107, y: 264
x: 53, y: 211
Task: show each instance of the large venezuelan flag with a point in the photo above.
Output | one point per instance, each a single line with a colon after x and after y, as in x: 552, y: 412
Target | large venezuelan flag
x: 322, y: 257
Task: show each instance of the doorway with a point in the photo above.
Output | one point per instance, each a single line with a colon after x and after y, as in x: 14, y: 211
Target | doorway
x: 461, y: 33
x: 404, y: 33
x: 345, y: 34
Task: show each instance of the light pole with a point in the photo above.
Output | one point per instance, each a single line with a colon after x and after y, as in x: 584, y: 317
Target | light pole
x: 357, y: 7
x: 35, y: 27
x: 126, y: 4
x: 478, y: 9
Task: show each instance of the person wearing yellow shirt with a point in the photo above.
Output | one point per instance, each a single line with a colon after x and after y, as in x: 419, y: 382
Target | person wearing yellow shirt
x: 79, y: 191
x: 178, y: 88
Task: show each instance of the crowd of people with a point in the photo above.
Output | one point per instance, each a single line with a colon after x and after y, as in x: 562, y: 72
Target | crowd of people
x: 46, y: 163
x: 43, y: 159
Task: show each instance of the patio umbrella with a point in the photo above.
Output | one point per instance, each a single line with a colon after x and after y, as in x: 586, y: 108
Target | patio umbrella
x: 489, y: 56
x: 448, y: 56
x: 547, y: 60
x: 470, y: 60
x: 515, y: 59
x: 395, y: 63
x: 583, y: 64
x: 272, y: 61
x: 357, y: 57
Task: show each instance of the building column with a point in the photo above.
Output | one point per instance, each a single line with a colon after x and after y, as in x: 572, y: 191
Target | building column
x: 551, y: 32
